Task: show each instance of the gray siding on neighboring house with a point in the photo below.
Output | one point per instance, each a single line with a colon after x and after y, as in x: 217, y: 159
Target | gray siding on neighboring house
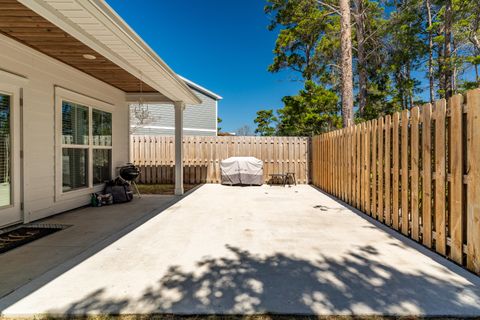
x: 198, y: 120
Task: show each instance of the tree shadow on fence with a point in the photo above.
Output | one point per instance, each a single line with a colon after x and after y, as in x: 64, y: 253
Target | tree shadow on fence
x: 243, y: 283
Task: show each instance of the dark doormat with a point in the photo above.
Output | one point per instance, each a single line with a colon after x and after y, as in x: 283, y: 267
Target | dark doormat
x: 13, y: 238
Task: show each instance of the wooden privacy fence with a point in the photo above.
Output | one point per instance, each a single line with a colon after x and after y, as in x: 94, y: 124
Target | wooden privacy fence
x: 417, y: 171
x: 155, y: 155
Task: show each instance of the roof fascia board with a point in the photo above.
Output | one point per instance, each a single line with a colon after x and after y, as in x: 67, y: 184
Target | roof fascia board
x: 123, y: 30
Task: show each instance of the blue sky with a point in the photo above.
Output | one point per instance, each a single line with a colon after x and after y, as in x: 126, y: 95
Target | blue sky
x: 223, y: 45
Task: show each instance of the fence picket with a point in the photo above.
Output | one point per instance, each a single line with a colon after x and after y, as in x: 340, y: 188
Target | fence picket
x: 367, y: 178
x: 440, y: 235
x: 473, y: 189
x: 427, y: 175
x: 381, y: 170
x: 414, y: 134
x: 396, y: 170
x: 456, y: 182
x: 405, y: 171
x: 374, y: 165
x: 388, y: 171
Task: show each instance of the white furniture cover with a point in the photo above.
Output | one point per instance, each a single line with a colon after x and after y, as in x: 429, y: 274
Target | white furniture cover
x: 242, y: 170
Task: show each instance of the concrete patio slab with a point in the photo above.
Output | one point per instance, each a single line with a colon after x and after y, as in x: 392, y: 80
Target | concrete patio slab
x: 231, y: 250
x: 85, y: 227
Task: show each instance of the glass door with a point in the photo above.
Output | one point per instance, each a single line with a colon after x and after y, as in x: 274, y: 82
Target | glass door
x: 10, y: 211
x: 5, y: 151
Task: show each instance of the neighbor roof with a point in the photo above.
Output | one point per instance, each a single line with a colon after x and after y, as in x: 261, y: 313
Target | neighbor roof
x: 201, y: 89
x: 95, y: 24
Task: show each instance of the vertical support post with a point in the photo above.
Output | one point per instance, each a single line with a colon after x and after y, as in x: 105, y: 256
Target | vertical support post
x: 179, y: 107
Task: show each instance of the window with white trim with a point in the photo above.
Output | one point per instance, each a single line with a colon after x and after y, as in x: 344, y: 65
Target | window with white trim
x: 86, y: 146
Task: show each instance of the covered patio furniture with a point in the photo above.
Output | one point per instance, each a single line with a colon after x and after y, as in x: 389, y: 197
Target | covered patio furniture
x: 242, y: 171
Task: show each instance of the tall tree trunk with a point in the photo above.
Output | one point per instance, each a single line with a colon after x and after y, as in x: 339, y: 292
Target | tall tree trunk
x: 346, y: 64
x: 441, y: 73
x: 475, y: 42
x: 454, y: 67
x: 430, y: 51
x: 477, y: 78
x: 410, y: 102
x: 447, y: 56
x: 361, y: 57
x: 473, y: 34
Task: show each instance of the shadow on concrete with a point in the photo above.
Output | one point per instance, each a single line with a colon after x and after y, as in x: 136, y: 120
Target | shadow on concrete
x: 405, y: 242
x: 48, y: 271
x: 245, y: 283
x: 241, y: 282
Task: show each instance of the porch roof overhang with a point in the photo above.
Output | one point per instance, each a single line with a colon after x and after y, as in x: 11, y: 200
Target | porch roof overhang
x: 68, y: 30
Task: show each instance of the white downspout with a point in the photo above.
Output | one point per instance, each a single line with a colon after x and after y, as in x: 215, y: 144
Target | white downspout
x: 179, y: 107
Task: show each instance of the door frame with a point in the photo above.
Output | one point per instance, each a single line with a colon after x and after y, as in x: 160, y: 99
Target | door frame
x: 13, y: 85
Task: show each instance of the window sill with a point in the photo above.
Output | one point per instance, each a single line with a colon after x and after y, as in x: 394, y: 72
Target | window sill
x: 69, y: 195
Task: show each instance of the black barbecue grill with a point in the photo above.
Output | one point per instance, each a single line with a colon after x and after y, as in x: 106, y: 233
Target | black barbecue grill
x: 129, y: 173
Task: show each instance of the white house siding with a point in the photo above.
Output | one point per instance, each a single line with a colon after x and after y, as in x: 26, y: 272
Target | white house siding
x: 43, y: 74
x: 198, y: 120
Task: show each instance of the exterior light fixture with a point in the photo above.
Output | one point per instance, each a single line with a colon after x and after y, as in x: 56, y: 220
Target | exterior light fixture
x: 141, y: 111
x: 89, y: 56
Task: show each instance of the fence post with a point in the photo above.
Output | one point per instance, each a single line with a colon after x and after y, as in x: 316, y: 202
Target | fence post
x: 456, y: 181
x: 473, y: 188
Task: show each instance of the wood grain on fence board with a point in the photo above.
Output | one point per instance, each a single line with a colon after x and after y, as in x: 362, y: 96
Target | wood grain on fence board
x: 396, y: 170
x: 473, y: 188
x: 440, y: 236
x: 380, y: 161
x: 405, y: 171
x: 456, y: 182
x: 427, y: 175
x: 374, y: 165
x: 388, y: 171
x: 367, y: 177
x: 415, y: 172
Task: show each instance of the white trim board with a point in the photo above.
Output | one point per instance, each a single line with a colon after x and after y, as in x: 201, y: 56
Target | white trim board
x: 173, y: 128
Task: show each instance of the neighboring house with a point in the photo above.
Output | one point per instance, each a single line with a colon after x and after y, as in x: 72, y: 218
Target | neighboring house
x: 199, y: 120
x: 68, y: 71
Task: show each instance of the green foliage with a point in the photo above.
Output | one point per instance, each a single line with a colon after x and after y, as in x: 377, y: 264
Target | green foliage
x: 402, y: 49
x: 265, y: 120
x: 219, y: 120
x: 303, y: 44
x: 314, y: 110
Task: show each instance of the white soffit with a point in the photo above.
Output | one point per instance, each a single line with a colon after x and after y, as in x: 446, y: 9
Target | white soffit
x: 95, y: 23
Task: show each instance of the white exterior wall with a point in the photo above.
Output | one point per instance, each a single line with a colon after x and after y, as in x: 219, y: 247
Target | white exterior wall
x: 199, y: 120
x: 42, y: 75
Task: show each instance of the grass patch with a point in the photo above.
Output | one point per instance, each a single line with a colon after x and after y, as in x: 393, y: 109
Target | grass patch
x: 167, y: 189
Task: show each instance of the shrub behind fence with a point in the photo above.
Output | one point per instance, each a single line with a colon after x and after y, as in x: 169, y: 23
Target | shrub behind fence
x: 417, y: 171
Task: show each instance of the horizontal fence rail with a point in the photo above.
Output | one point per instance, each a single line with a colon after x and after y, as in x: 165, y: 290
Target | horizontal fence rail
x: 417, y: 171
x: 155, y: 156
